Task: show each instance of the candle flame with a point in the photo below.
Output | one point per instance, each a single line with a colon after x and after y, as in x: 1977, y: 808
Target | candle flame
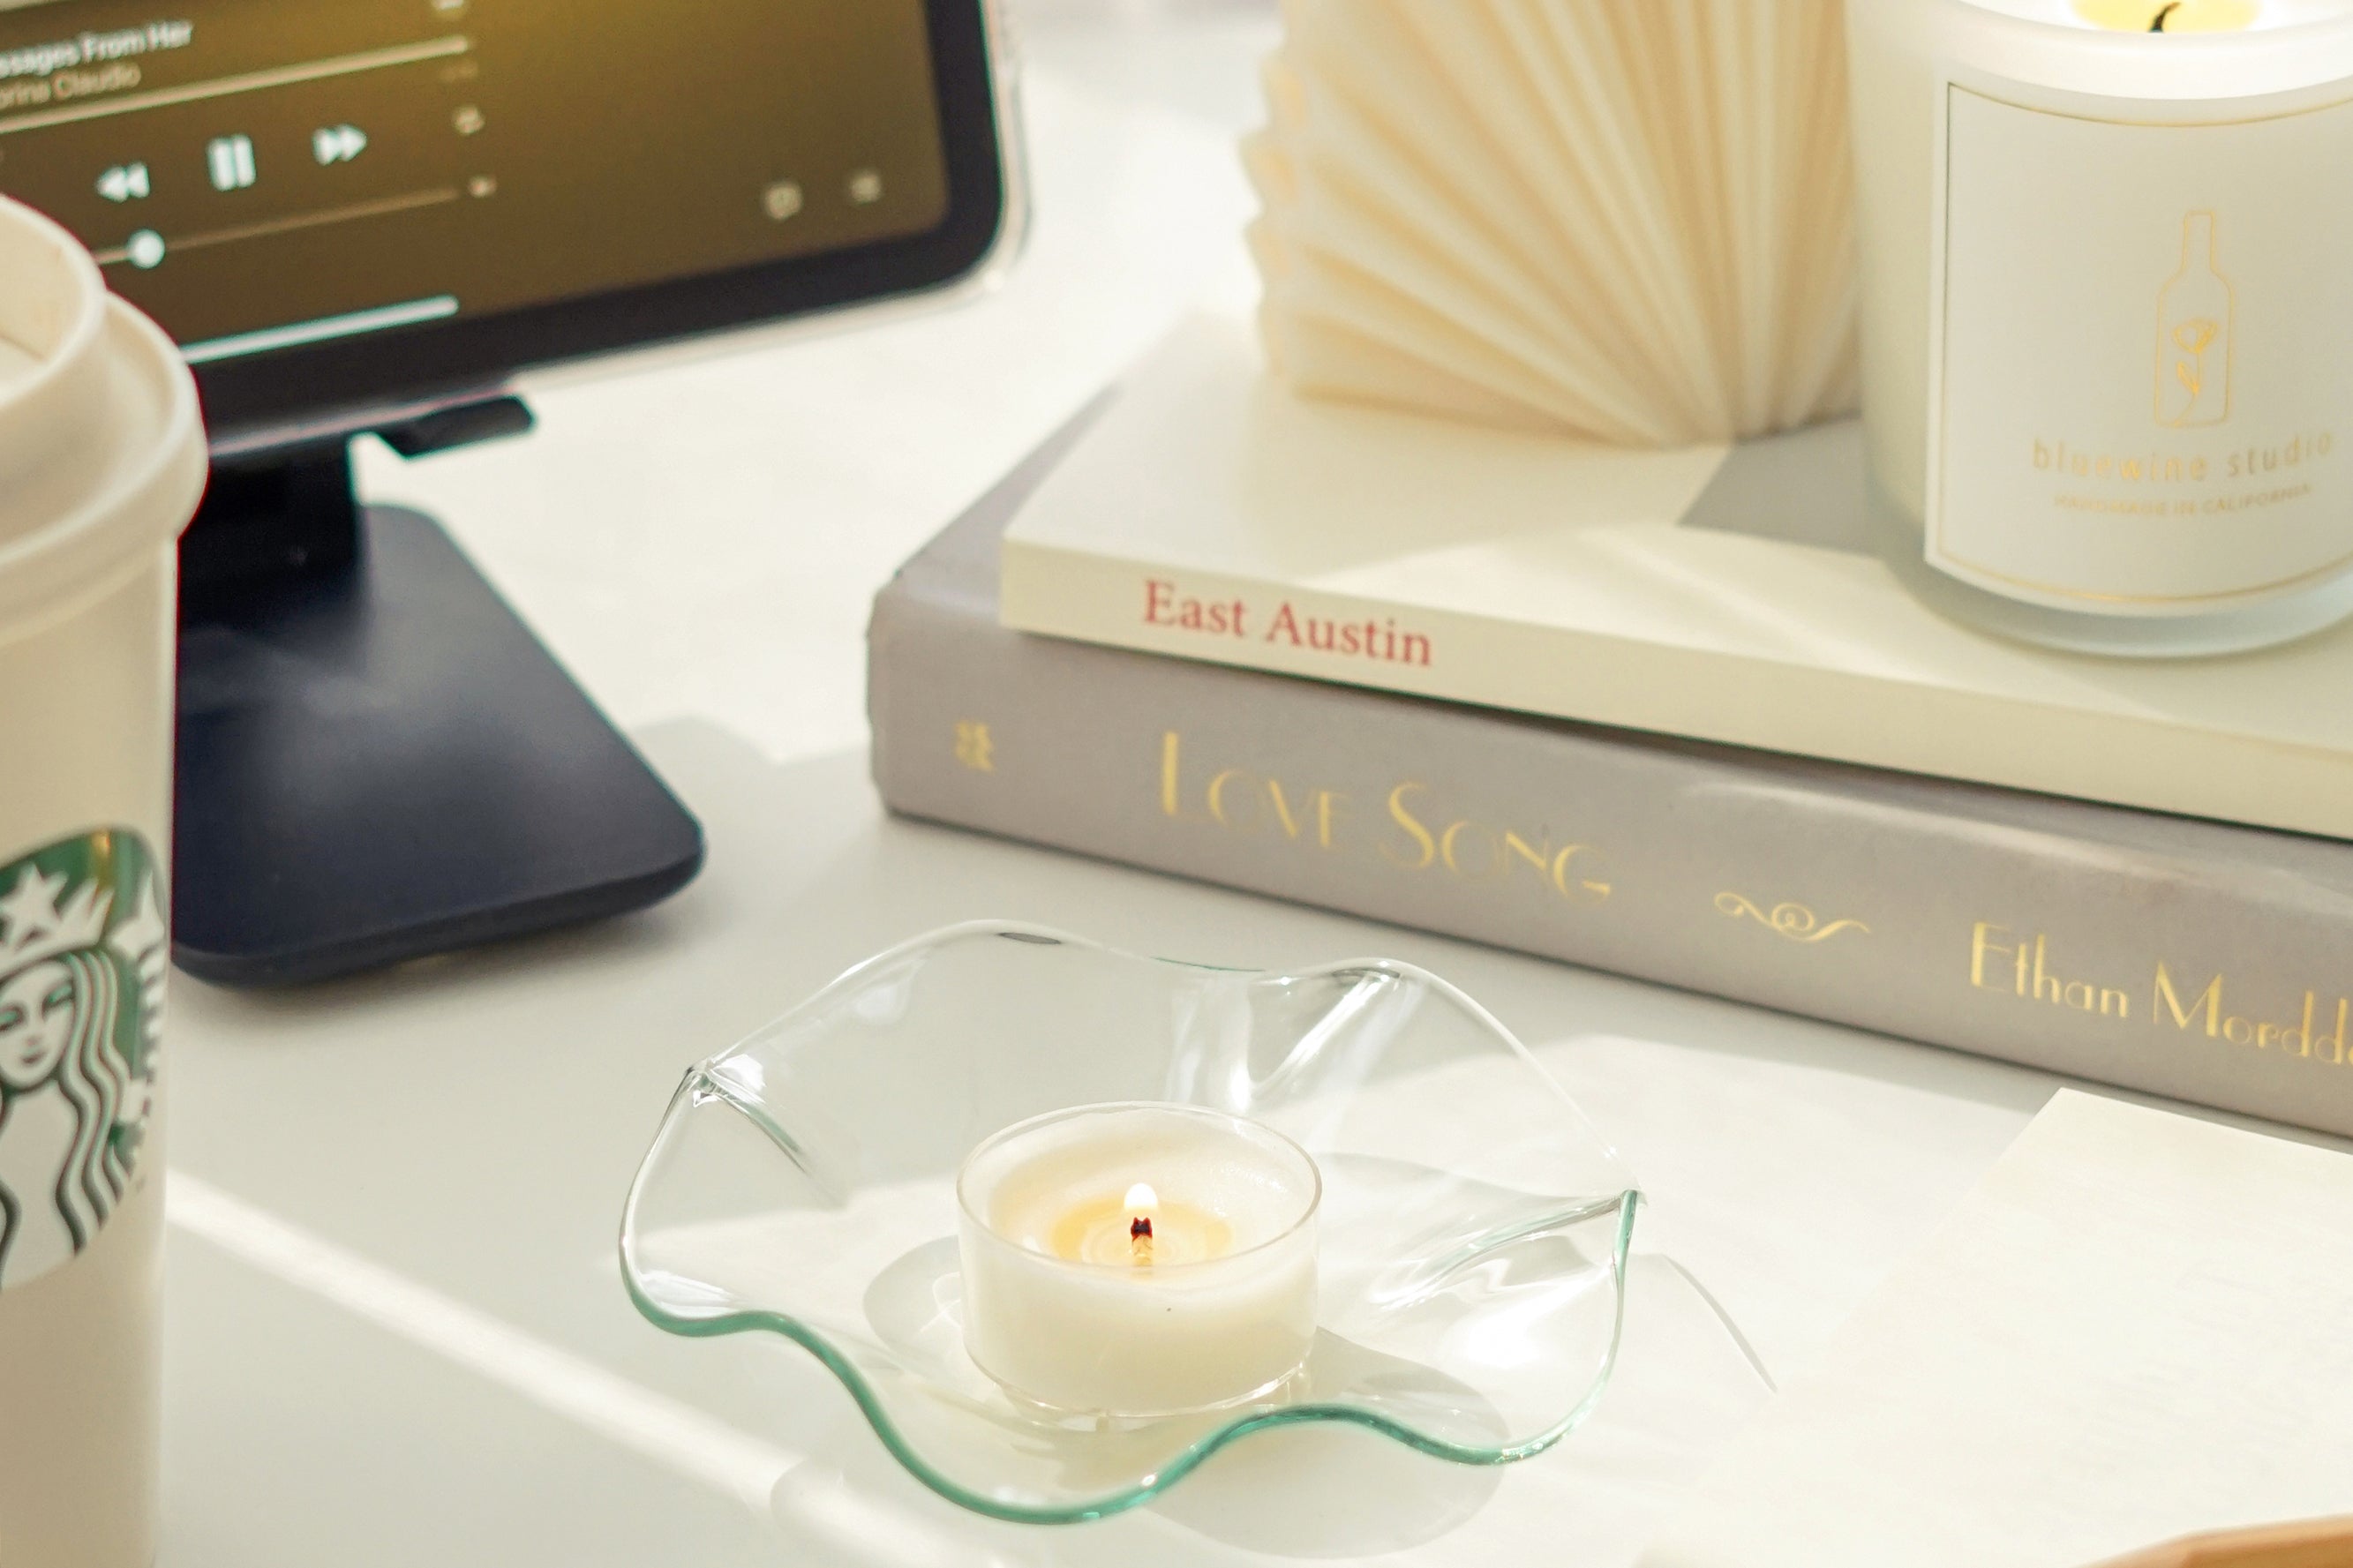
x: 1141, y: 1200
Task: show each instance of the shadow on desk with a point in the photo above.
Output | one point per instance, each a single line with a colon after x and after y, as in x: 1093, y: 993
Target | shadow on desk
x: 471, y: 1124
x: 807, y: 877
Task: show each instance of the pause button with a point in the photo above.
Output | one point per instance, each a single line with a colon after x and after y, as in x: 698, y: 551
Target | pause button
x: 230, y: 161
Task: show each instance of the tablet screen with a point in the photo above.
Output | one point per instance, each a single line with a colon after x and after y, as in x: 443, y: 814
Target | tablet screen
x: 264, y: 177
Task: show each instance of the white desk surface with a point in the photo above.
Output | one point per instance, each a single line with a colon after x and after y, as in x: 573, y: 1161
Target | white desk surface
x: 396, y: 1334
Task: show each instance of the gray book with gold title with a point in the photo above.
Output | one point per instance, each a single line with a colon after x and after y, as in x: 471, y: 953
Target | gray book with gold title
x: 2180, y: 957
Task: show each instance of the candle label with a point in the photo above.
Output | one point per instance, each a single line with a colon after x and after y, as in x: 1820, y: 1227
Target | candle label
x: 2140, y: 361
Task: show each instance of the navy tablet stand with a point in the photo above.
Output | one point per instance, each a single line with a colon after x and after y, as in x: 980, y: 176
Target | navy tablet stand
x: 378, y: 761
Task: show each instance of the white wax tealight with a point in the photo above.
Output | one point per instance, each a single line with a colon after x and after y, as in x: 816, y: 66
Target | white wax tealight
x: 1139, y: 1260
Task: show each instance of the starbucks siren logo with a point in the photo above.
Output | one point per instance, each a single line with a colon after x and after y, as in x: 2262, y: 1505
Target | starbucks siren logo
x: 83, y: 949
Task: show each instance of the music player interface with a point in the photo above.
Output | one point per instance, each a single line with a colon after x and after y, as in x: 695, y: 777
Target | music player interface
x: 257, y: 174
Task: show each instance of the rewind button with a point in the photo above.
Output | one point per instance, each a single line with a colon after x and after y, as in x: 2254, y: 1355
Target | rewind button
x: 124, y: 182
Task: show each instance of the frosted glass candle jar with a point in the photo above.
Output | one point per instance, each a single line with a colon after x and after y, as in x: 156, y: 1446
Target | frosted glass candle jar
x: 2107, y: 310
x: 1139, y: 1260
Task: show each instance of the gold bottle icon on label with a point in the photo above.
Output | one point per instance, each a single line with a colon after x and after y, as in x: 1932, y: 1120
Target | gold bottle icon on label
x: 2193, y: 334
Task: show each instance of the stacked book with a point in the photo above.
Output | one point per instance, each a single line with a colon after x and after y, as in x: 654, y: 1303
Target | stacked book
x: 1658, y: 713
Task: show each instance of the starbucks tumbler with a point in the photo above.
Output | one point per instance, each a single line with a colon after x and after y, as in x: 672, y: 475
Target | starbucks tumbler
x: 101, y: 464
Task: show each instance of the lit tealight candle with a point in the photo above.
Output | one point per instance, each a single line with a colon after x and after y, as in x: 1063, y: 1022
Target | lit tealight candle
x: 2104, y: 304
x: 1139, y: 1260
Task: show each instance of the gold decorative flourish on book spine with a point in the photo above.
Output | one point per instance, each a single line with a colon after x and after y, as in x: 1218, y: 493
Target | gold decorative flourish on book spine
x: 1795, y: 921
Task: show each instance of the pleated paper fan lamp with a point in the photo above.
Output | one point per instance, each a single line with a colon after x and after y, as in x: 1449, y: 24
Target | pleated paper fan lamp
x: 1627, y: 221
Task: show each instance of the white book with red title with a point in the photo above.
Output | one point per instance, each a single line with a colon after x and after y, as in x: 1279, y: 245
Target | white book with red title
x: 1724, y: 594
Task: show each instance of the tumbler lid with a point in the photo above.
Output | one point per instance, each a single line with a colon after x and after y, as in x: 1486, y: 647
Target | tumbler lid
x: 103, y: 454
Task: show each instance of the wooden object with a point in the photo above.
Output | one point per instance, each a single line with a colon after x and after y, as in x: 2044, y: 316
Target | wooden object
x: 2319, y: 1543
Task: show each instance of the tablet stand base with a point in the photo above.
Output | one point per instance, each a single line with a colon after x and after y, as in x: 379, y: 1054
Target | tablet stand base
x: 378, y: 761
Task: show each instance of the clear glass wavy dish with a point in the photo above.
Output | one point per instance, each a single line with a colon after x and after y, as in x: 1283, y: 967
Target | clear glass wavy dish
x: 1474, y: 1238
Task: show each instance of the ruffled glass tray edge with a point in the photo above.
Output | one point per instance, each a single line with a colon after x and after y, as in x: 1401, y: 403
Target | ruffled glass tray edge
x: 912, y: 1461
x: 1248, y: 1423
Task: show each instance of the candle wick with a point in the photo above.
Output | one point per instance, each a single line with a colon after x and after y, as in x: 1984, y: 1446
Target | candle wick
x: 1139, y: 1235
x: 2159, y: 26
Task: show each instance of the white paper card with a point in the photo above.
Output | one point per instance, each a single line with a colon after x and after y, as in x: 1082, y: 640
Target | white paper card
x: 2138, y: 1327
